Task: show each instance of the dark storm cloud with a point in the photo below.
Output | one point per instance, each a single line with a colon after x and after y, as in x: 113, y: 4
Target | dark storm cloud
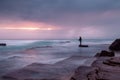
x: 72, y: 15
x: 54, y: 10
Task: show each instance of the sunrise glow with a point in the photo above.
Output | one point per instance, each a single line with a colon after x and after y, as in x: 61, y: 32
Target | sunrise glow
x: 27, y: 25
x: 26, y: 28
x: 84, y: 18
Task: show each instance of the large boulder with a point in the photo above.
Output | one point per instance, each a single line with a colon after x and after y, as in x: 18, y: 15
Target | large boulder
x: 105, y: 54
x: 115, y: 46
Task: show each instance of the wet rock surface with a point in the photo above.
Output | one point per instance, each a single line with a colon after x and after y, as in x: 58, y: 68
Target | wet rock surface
x: 105, y: 54
x: 83, y: 72
x: 83, y: 46
x: 62, y: 70
x: 104, y: 68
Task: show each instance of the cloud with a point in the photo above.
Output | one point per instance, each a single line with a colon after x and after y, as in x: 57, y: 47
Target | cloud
x: 46, y: 10
x: 72, y: 15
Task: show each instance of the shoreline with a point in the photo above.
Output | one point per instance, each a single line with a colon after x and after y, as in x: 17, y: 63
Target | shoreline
x: 68, y: 65
x: 62, y: 70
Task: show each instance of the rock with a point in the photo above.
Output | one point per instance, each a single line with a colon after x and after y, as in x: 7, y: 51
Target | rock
x: 108, y: 67
x: 83, y: 45
x: 99, y: 70
x: 113, y: 62
x: 61, y: 70
x: 115, y: 46
x: 105, y: 54
x: 9, y: 78
x: 3, y: 44
x: 84, y: 73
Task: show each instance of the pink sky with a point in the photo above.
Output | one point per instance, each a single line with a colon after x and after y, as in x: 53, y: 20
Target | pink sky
x: 59, y: 19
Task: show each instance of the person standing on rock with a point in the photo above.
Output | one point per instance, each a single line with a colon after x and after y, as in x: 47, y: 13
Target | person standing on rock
x: 80, y: 39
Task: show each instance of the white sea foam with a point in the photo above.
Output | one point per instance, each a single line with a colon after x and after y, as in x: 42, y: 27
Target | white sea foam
x: 26, y: 44
x: 17, y: 42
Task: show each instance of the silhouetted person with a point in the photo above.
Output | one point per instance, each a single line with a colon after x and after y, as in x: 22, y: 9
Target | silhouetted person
x: 80, y: 39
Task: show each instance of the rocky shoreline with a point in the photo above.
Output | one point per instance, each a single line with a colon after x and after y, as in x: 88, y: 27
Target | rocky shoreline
x: 103, y: 66
x: 62, y: 70
x: 106, y: 67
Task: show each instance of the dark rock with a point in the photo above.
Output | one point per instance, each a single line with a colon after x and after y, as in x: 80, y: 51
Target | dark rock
x: 108, y: 67
x: 3, y: 44
x: 62, y: 70
x: 9, y: 78
x: 83, y: 45
x: 113, y: 62
x: 105, y: 54
x: 40, y: 79
x: 115, y: 46
x: 99, y: 70
x: 84, y: 73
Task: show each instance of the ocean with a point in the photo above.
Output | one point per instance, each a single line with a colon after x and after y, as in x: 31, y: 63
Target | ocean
x: 13, y: 45
x: 20, y: 53
x: 51, y: 49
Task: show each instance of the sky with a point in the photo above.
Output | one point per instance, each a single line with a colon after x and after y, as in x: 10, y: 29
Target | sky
x: 59, y: 19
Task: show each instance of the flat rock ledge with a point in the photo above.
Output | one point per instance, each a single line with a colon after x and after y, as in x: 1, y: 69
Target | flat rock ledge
x: 104, y: 68
x: 62, y: 70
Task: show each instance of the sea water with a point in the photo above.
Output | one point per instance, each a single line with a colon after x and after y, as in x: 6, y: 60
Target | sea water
x: 20, y: 53
x: 25, y: 44
x: 56, y: 48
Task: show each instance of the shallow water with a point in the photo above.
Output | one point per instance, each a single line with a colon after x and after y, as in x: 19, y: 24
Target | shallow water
x: 14, y: 45
x: 48, y: 51
x: 16, y: 56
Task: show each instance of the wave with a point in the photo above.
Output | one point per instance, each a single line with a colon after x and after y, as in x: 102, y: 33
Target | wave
x: 30, y: 44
